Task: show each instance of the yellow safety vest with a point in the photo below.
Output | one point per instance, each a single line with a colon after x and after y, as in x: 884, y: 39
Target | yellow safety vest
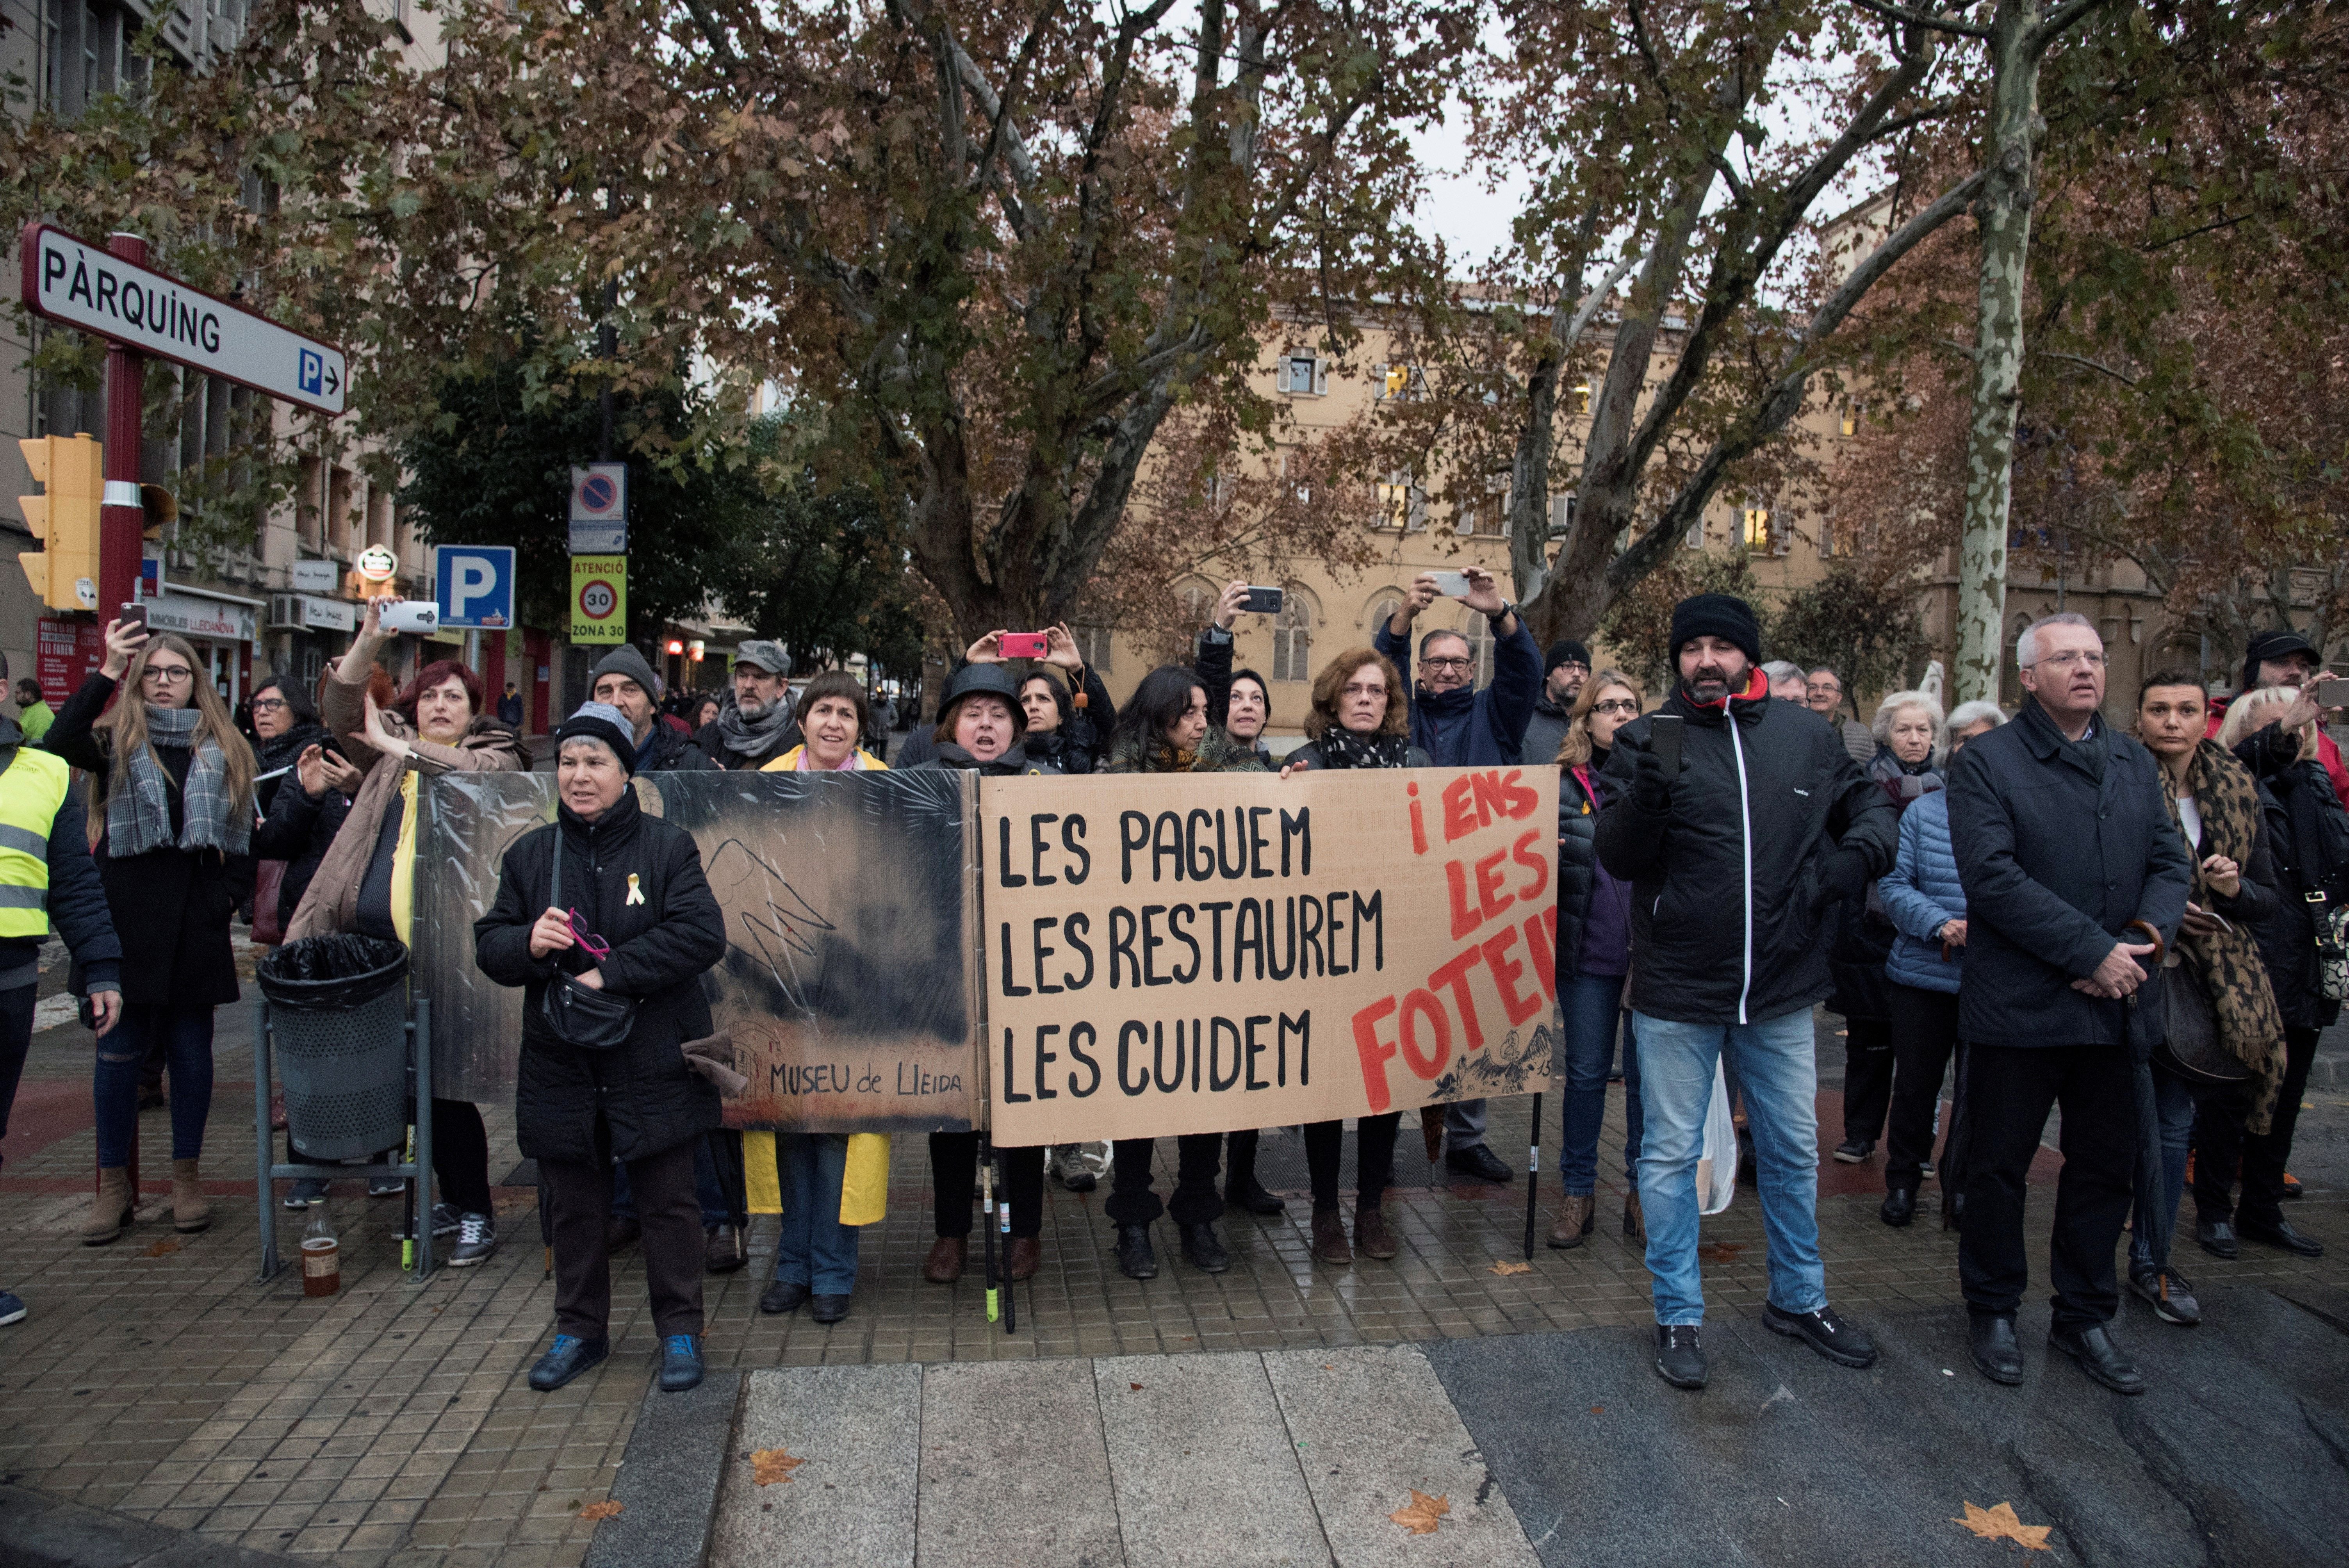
x: 30, y: 793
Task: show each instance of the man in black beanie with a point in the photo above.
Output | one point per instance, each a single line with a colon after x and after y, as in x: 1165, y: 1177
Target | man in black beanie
x: 1563, y: 669
x: 1733, y: 855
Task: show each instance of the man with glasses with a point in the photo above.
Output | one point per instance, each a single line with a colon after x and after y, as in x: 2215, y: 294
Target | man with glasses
x: 1459, y: 726
x: 1563, y: 669
x: 1823, y: 696
x: 2076, y: 881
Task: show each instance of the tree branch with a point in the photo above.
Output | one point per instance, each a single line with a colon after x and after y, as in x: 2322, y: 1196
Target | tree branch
x: 2120, y: 375
x: 1932, y: 22
x: 2052, y: 25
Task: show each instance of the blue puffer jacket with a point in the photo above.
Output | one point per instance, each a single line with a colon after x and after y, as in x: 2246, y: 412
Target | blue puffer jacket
x: 1923, y: 893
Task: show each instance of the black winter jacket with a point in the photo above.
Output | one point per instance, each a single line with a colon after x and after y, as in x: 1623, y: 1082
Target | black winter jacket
x: 2055, y: 865
x: 2308, y: 846
x: 673, y: 751
x: 1725, y: 882
x: 1010, y: 765
x: 1578, y: 868
x: 639, y: 1098
x: 299, y: 831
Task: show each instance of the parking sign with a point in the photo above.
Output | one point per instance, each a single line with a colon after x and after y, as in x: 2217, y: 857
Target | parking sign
x: 474, y: 584
x: 599, y: 509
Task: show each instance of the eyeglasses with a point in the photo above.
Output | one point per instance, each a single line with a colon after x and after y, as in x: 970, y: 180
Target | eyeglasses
x: 2065, y: 661
x: 269, y: 704
x: 1572, y: 665
x: 1623, y: 706
x: 167, y: 673
x: 1449, y: 664
x: 594, y: 945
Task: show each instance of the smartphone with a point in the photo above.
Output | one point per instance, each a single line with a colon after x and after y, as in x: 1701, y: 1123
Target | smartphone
x: 1263, y: 601
x: 1664, y: 736
x: 1023, y: 644
x: 2332, y: 694
x: 133, y: 615
x: 1452, y: 584
x: 415, y: 615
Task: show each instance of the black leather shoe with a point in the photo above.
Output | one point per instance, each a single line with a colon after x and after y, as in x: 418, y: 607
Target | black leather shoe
x: 1842, y: 1343
x: 2281, y: 1234
x: 1206, y: 1252
x: 722, y: 1249
x: 783, y: 1296
x: 1250, y: 1195
x: 1680, y: 1355
x: 1996, y: 1353
x: 828, y: 1308
x: 2099, y: 1357
x: 2218, y: 1237
x: 1899, y: 1206
x: 1135, y: 1260
x: 567, y: 1357
x: 1478, y: 1162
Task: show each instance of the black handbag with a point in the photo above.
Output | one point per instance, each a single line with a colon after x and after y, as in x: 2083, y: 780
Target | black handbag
x: 2191, y: 1046
x: 580, y: 1015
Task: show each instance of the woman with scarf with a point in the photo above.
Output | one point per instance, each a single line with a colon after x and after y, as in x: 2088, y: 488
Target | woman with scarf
x: 1165, y: 729
x: 2214, y: 804
x: 170, y: 786
x: 1360, y: 719
x: 296, y: 827
x: 1594, y: 955
x: 366, y: 877
x: 1063, y: 730
x: 834, y: 718
x: 2273, y: 733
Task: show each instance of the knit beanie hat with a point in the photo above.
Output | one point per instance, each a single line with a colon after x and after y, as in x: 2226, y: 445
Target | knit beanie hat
x: 1565, y: 653
x: 625, y: 661
x: 1722, y: 615
x: 601, y: 721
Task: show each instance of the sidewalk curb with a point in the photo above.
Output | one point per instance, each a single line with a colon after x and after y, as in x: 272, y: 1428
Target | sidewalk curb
x: 667, y: 1482
x: 37, y: 1530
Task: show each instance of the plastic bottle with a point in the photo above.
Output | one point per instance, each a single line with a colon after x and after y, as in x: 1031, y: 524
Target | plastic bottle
x: 321, y: 1266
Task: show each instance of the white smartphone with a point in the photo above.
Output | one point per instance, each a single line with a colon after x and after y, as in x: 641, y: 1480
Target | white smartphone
x: 413, y: 615
x: 1451, y: 585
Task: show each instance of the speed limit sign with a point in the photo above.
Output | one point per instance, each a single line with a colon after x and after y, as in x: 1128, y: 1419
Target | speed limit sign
x: 599, y: 598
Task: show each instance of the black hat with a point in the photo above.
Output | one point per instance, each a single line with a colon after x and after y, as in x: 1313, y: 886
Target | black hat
x: 1568, y: 652
x: 2277, y: 644
x: 1722, y: 615
x: 984, y: 680
x: 600, y: 722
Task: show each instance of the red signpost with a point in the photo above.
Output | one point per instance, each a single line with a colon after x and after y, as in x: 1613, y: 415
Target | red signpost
x: 121, y: 522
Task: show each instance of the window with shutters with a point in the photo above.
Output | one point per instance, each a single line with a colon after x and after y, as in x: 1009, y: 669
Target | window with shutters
x: 1304, y: 374
x: 1561, y: 514
x: 1092, y: 647
x: 1292, y: 639
x: 1397, y: 381
x: 1402, y: 503
x: 1757, y: 529
x: 1198, y: 602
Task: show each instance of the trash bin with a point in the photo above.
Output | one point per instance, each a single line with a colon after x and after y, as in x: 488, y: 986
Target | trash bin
x: 338, y: 1014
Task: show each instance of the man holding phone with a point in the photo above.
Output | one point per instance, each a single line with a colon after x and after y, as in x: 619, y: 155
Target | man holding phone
x: 2285, y: 658
x: 1736, y: 818
x: 1459, y: 726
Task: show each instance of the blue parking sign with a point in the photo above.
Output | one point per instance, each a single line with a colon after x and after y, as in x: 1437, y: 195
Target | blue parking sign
x: 474, y: 584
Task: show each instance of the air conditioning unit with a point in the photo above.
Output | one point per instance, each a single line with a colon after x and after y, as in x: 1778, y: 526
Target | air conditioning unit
x: 285, y: 612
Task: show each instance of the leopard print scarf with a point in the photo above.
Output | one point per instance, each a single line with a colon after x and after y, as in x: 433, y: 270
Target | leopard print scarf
x: 2242, y: 1003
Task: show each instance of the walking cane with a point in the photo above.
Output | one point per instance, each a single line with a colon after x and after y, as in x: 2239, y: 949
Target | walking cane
x: 987, y: 1218
x: 1533, y: 1173
x: 1003, y: 1214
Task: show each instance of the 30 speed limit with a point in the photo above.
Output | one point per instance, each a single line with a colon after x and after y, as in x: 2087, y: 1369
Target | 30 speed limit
x: 599, y: 598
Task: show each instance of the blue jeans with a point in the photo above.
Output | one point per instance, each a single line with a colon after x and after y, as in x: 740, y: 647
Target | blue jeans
x: 2173, y: 1107
x: 1777, y: 1070
x: 187, y: 1036
x: 707, y: 1188
x: 815, y: 1249
x: 1592, y: 1006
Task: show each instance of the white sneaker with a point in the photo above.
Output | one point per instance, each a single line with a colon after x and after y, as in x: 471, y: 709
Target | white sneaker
x: 477, y: 1238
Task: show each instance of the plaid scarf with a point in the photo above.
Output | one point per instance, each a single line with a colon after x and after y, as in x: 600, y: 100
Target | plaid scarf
x: 2243, y: 1002
x: 139, y: 813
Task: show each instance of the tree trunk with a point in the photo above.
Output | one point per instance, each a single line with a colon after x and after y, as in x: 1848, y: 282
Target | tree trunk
x: 2003, y: 211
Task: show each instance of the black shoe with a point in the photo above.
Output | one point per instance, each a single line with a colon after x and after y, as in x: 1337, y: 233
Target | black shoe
x: 1206, y: 1252
x: 1996, y: 1352
x: 1841, y: 1343
x: 828, y: 1308
x: 567, y: 1357
x: 1852, y: 1150
x: 1478, y: 1162
x: 2099, y: 1357
x: 680, y: 1364
x: 2218, y: 1237
x: 1134, y: 1258
x: 1250, y: 1195
x: 2171, y: 1298
x: 722, y: 1250
x: 1680, y: 1357
x: 783, y: 1296
x: 2281, y: 1234
x: 1899, y: 1206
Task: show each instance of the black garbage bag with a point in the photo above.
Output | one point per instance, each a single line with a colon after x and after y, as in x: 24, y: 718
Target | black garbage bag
x: 322, y: 974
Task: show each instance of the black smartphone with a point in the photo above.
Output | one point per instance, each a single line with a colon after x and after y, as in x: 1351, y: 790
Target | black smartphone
x: 1263, y: 601
x: 1665, y: 737
x: 2332, y: 693
x: 133, y: 615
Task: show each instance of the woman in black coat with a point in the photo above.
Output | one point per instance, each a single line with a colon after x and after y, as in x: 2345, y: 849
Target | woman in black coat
x: 295, y: 829
x: 170, y: 785
x: 634, y: 916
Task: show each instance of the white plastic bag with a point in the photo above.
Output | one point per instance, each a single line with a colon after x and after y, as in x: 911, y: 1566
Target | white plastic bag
x: 1716, y: 1166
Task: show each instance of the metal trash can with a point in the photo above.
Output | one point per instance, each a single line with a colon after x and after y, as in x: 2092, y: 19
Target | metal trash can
x: 338, y: 1015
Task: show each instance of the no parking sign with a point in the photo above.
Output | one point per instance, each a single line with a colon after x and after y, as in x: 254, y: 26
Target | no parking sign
x: 599, y: 598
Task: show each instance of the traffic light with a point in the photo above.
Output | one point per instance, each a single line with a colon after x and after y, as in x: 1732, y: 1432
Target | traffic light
x: 73, y: 470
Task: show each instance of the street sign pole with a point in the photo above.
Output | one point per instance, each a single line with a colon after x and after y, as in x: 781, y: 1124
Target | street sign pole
x: 121, y: 521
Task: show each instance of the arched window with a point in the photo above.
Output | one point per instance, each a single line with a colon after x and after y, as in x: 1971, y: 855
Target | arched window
x: 1197, y: 598
x: 1292, y: 639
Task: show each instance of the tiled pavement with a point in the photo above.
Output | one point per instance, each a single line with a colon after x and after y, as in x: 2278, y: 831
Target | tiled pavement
x: 389, y: 1425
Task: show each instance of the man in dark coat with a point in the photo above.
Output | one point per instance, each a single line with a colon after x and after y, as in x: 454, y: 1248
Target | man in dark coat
x: 1460, y: 726
x: 754, y: 724
x: 1565, y: 667
x: 622, y: 679
x: 1733, y: 860
x: 2076, y: 882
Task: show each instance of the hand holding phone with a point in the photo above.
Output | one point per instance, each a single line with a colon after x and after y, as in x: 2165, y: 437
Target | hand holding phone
x: 2332, y: 693
x: 411, y: 616
x: 1024, y: 644
x: 1451, y: 585
x: 1263, y: 601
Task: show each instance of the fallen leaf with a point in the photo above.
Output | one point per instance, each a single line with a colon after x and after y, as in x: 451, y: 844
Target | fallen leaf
x: 1135, y: 1387
x: 1424, y: 1511
x: 1720, y: 1252
x: 604, y: 1509
x: 1506, y: 1267
x: 2000, y: 1523
x: 769, y: 1466
x: 1597, y: 1410
x: 163, y: 1248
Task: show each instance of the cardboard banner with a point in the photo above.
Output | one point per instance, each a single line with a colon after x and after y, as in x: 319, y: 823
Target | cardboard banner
x: 1177, y: 953
x: 847, y: 980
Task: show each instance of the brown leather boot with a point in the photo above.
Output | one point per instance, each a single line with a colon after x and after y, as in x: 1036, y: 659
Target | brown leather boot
x: 1330, y: 1236
x: 943, y: 1266
x: 109, y: 1212
x: 1577, y: 1217
x: 190, y: 1210
x: 1371, y: 1237
x: 1027, y: 1256
x: 1635, y: 1224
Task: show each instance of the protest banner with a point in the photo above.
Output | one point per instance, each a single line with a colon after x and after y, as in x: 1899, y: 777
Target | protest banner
x: 847, y: 982
x: 1195, y: 953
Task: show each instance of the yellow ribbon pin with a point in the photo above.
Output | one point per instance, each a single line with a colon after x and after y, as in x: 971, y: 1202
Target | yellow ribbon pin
x: 635, y: 893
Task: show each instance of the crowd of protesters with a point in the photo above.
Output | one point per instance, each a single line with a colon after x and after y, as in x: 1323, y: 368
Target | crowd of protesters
x: 2137, y: 925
